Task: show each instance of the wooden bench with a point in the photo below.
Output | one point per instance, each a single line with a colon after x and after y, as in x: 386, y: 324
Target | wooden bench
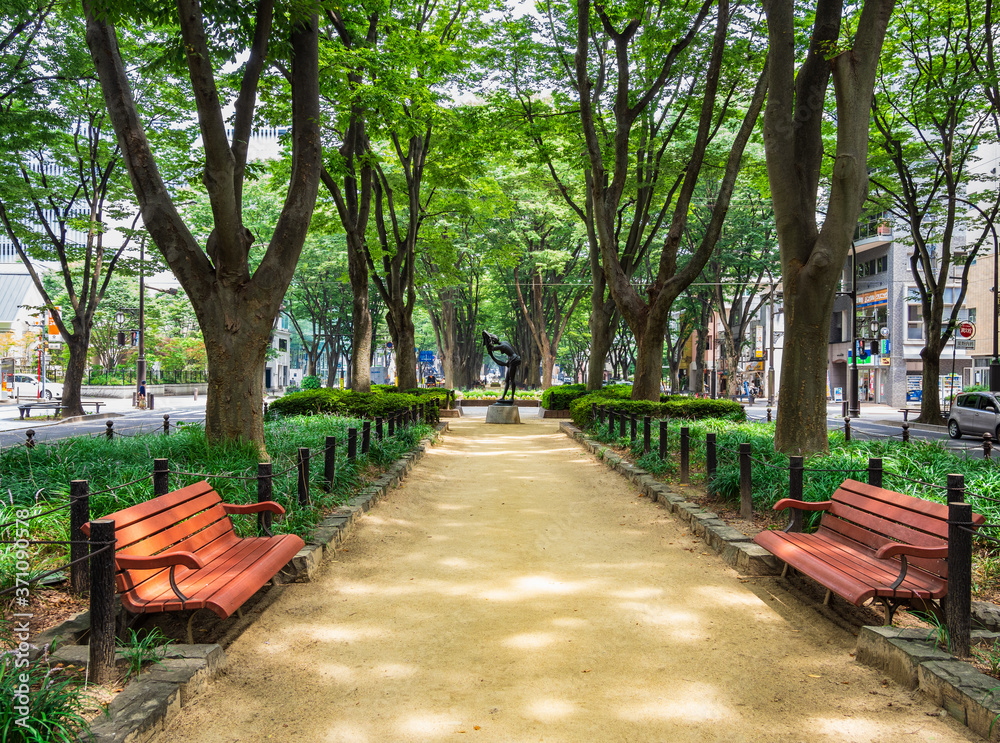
x: 871, y: 543
x: 178, y: 552
x: 906, y: 412
x: 25, y: 407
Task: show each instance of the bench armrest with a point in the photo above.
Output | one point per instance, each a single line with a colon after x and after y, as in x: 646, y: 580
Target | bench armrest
x: 268, y: 505
x: 165, y: 560
x: 803, y: 505
x: 899, y: 548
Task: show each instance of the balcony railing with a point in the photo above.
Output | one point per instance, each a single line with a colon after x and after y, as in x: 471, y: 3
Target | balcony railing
x: 873, y: 228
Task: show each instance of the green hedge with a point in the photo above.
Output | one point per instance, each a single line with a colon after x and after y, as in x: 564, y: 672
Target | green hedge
x: 350, y: 403
x: 559, y: 398
x: 676, y: 406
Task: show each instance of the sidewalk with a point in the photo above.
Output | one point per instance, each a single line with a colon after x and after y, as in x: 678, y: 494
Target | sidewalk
x: 112, y: 407
x: 515, y: 589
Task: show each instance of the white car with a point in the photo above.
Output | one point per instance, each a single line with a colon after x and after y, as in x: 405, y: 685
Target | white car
x: 27, y: 385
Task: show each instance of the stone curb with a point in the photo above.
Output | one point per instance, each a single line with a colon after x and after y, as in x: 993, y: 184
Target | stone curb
x: 150, y: 701
x: 735, y: 548
x: 911, y: 659
x: 904, y: 655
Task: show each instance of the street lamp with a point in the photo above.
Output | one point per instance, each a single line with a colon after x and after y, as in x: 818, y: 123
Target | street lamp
x: 854, y: 409
x: 995, y: 361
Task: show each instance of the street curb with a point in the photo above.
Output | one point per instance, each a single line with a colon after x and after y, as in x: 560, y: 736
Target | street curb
x: 904, y: 655
x: 151, y: 700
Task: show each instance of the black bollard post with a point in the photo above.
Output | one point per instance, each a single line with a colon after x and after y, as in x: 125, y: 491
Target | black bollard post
x: 847, y: 429
x: 79, y: 514
x: 746, y: 484
x: 768, y: 413
x: 710, y: 456
x: 621, y: 425
x: 957, y: 608
x: 647, y: 434
x: 161, y: 477
x: 796, y: 472
x: 29, y: 437
x: 110, y: 430
x: 366, y: 436
x: 906, y: 433
x: 303, y: 478
x: 265, y: 493
x: 392, y: 425
x: 685, y: 454
x: 633, y: 426
x: 379, y: 432
x: 662, y: 445
x: 166, y: 424
x: 875, y: 471
x: 102, y: 601
x: 329, y: 463
x: 352, y: 443
x: 987, y: 445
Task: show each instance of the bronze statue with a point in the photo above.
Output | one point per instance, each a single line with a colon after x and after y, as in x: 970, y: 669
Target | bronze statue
x: 513, y: 361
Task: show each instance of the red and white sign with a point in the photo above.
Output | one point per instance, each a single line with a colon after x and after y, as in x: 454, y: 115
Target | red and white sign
x: 967, y: 329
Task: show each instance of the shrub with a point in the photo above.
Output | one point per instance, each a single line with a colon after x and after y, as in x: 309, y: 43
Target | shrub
x: 378, y: 404
x: 559, y: 398
x: 310, y: 382
x: 677, y: 406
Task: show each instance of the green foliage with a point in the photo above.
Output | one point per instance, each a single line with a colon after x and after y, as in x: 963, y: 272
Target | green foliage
x: 618, y: 398
x: 377, y: 404
x: 55, y: 703
x: 310, y: 382
x: 137, y: 649
x: 559, y: 398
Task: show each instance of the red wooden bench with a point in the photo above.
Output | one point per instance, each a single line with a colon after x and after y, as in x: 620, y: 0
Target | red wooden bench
x: 178, y: 552
x: 871, y: 543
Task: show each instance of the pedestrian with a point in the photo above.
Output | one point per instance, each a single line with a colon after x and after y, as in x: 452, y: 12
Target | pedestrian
x: 140, y: 400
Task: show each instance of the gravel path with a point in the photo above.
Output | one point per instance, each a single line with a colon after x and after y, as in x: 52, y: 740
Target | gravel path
x: 515, y: 590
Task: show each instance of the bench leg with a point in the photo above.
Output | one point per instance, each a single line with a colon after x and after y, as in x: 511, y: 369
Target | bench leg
x: 190, y: 626
x: 826, y: 599
x: 784, y: 570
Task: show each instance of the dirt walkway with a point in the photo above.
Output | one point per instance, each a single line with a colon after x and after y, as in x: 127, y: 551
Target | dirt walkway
x: 516, y: 590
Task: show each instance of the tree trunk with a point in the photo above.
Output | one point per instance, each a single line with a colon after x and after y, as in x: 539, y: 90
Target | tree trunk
x: 602, y: 335
x: 801, y: 427
x: 402, y: 330
x: 361, y: 338
x: 234, y: 404
x: 930, y: 402
x: 76, y: 369
x: 648, y: 364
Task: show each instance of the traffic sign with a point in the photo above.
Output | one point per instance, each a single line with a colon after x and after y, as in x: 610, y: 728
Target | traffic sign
x: 967, y: 329
x: 961, y: 343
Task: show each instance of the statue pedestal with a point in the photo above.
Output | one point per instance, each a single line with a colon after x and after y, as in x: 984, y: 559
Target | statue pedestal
x: 502, y: 414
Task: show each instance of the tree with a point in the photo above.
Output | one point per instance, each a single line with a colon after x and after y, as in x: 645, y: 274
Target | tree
x: 63, y: 185
x: 235, y: 309
x: 608, y: 148
x: 812, y: 258
x: 929, y: 117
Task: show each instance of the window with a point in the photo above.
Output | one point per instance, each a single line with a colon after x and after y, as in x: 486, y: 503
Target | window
x: 987, y: 404
x: 967, y: 401
x: 282, y: 344
x: 914, y: 323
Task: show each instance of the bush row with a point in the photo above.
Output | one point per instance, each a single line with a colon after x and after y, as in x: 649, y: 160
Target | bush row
x: 380, y: 403
x: 559, y: 398
x: 676, y: 406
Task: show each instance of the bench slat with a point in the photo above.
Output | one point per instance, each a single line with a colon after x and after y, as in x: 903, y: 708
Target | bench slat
x: 885, y: 529
x: 847, y: 575
x: 922, y: 515
x: 207, y: 544
x: 225, y: 584
x: 147, y: 509
x: 161, y: 530
x: 869, y: 542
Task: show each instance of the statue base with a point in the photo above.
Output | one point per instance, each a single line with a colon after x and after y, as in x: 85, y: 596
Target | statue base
x: 501, y: 413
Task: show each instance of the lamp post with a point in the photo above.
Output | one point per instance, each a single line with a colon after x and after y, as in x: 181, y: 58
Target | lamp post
x: 854, y: 409
x: 995, y: 361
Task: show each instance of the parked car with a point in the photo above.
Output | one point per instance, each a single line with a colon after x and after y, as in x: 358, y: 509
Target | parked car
x: 973, y: 414
x: 27, y: 385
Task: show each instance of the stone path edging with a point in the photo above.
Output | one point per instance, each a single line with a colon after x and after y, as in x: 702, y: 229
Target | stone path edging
x: 906, y: 656
x: 151, y: 700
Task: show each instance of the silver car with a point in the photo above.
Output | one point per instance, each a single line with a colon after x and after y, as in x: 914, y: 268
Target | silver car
x: 973, y: 414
